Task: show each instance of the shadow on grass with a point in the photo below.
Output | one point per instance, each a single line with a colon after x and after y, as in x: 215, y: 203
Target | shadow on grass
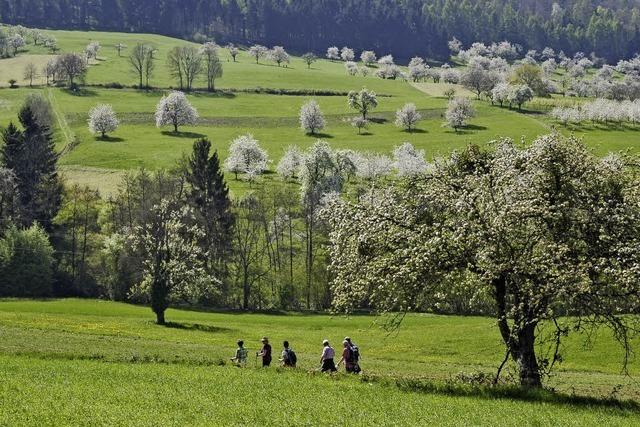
x: 196, y: 327
x: 216, y: 93
x: 416, y: 131
x: 192, y: 135
x: 475, y: 127
x: 80, y: 92
x: 378, y: 120
x: 319, y: 135
x: 109, y: 139
x: 513, y: 392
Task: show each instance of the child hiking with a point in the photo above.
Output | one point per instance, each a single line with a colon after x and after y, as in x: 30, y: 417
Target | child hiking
x: 288, y: 357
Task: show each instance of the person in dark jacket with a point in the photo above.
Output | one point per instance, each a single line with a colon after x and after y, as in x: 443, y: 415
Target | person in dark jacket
x: 265, y: 353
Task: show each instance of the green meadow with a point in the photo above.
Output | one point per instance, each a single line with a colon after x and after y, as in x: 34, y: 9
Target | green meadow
x: 241, y: 106
x: 91, y: 362
x: 72, y: 362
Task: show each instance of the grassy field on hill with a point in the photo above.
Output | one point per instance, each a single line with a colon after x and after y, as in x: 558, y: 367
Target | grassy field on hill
x: 272, y: 119
x: 72, y: 361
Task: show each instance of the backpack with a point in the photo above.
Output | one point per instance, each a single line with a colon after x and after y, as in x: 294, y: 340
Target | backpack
x: 355, y: 353
x: 292, y: 359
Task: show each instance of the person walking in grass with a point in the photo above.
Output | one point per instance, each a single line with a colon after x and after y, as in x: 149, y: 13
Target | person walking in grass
x: 240, y: 358
x: 347, y: 357
x: 326, y: 360
x: 265, y: 353
x: 288, y: 358
x: 355, y: 355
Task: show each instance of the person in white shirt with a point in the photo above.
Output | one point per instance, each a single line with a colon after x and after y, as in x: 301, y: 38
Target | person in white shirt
x: 326, y: 360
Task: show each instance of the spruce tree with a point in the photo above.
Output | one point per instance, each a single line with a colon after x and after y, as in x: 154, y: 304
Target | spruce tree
x: 209, y: 195
x: 31, y: 155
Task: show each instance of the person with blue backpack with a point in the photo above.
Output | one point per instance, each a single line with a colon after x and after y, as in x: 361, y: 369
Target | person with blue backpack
x: 288, y: 358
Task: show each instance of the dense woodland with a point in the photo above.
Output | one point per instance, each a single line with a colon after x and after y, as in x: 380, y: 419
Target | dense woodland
x: 404, y: 28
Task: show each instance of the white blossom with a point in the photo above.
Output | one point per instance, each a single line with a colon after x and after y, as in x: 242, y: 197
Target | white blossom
x: 407, y: 117
x: 408, y: 161
x: 333, y: 53
x: 102, y: 120
x: 174, y: 109
x: 246, y: 157
x: 459, y: 110
x: 371, y: 166
x: 311, y: 117
x: 368, y: 57
x: 279, y: 55
x: 289, y: 165
x: 347, y: 54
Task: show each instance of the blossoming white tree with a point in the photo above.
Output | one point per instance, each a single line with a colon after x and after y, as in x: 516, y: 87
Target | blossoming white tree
x: 246, y: 157
x: 407, y: 117
x: 347, y: 54
x: 351, y: 67
x: 289, y: 165
x: 408, y: 161
x: 92, y: 50
x: 386, y: 60
x: 517, y: 223
x: 333, y: 53
x: 520, y: 94
x: 174, y: 109
x: 459, y: 110
x: 15, y: 42
x: 319, y: 176
x: 258, y: 51
x: 311, y: 117
x: 500, y: 93
x: 233, y: 51
x: 102, y: 120
x: 279, y: 55
x: 372, y: 166
x: 359, y: 123
x: 368, y: 57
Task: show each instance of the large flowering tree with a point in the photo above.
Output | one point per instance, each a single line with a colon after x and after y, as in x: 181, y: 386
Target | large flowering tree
x: 550, y: 231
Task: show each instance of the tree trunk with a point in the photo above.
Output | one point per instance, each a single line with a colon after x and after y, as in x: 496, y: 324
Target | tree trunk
x: 160, y: 317
x: 246, y: 290
x: 526, y: 358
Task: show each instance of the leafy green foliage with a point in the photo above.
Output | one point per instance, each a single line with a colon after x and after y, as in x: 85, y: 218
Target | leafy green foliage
x: 26, y: 261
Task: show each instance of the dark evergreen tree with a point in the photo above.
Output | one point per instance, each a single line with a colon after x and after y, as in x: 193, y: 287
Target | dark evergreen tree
x: 31, y: 155
x: 209, y: 195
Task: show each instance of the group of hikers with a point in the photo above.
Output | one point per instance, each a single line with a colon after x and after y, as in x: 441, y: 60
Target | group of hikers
x: 350, y: 356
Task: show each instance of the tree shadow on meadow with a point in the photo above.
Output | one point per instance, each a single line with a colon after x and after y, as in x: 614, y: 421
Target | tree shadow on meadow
x: 216, y: 93
x: 514, y: 392
x: 416, y: 130
x: 83, y: 92
x: 191, y: 135
x: 196, y: 327
x: 475, y: 127
x: 109, y: 139
x: 320, y: 135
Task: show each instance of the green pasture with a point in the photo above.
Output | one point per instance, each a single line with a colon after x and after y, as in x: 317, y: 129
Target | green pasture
x: 72, y: 362
x: 272, y: 119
